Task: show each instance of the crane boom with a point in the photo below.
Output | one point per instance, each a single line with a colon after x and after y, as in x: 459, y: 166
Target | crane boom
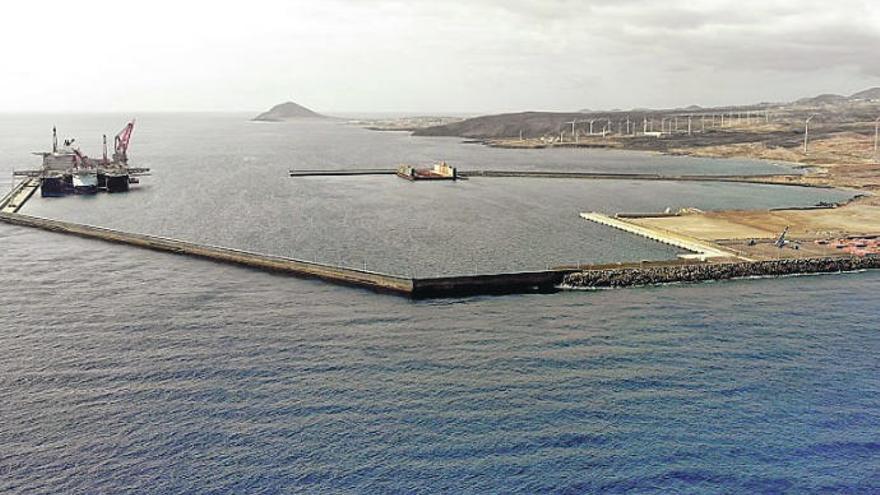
x: 121, y: 142
x: 782, y: 241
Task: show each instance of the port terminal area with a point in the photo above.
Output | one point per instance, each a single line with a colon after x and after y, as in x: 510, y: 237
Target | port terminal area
x: 853, y: 242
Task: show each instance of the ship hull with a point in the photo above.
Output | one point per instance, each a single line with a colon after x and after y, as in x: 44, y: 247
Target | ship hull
x: 53, y: 187
x: 117, y: 183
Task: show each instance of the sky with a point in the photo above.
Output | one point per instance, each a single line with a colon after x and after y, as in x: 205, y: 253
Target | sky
x: 423, y: 56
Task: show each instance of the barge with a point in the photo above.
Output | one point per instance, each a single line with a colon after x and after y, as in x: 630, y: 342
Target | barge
x: 440, y: 171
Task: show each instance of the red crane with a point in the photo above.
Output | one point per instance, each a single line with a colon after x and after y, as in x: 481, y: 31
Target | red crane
x: 122, y: 139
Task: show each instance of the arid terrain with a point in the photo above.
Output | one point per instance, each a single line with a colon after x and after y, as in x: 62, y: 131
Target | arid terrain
x: 831, y: 138
x: 840, y: 148
x: 405, y: 123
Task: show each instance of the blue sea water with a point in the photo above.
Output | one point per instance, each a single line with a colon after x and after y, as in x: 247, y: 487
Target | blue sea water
x: 129, y: 371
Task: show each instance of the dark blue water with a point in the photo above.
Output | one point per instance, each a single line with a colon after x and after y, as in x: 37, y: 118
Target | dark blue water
x: 129, y: 371
x: 163, y: 374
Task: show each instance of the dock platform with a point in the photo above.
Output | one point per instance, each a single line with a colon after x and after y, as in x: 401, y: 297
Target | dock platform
x: 701, y: 249
x: 15, y: 199
x: 768, y: 179
x: 341, y: 172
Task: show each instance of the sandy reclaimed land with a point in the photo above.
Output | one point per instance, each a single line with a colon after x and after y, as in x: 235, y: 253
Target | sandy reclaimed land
x: 858, y: 218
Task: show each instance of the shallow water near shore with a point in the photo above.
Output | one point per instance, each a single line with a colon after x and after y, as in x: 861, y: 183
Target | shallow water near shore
x: 127, y: 370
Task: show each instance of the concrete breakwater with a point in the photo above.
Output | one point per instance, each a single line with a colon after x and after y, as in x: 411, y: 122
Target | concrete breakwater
x: 654, y: 275
x: 375, y: 281
x: 773, y: 179
x: 455, y: 286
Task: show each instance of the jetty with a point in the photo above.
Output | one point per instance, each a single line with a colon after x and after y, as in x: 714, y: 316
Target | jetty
x: 770, y: 179
x: 700, y: 249
x: 341, y: 172
x: 440, y: 171
x: 18, y: 196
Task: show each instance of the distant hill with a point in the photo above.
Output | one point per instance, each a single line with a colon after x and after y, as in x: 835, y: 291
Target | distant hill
x: 288, y: 111
x: 860, y: 106
x: 826, y: 99
x: 868, y: 94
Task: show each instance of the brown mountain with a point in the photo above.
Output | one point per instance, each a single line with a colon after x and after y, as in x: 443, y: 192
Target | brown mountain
x: 872, y: 94
x: 288, y: 111
x: 858, y: 107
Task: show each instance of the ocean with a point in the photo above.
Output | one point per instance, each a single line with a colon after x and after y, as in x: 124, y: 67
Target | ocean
x: 130, y: 371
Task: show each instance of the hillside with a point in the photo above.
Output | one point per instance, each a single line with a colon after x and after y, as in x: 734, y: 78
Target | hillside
x: 857, y: 107
x: 288, y: 111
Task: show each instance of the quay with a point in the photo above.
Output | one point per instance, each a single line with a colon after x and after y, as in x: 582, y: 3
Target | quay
x: 341, y: 172
x: 440, y: 171
x: 702, y: 250
x: 18, y: 196
x: 771, y: 179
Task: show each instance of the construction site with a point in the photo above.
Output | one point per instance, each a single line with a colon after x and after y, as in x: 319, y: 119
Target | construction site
x: 713, y: 245
x: 67, y: 170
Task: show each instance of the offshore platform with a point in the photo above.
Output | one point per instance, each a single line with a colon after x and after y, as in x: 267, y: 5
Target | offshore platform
x: 66, y: 170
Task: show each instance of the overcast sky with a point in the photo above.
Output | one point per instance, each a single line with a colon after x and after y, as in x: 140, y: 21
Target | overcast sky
x: 431, y: 56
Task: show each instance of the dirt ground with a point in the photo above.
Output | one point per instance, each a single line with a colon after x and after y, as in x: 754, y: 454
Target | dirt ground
x: 858, y: 218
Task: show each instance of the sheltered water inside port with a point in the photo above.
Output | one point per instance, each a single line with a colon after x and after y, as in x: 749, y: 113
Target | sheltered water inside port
x: 235, y: 192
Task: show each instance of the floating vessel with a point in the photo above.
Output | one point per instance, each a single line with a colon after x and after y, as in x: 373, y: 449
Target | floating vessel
x: 65, y: 170
x: 440, y: 171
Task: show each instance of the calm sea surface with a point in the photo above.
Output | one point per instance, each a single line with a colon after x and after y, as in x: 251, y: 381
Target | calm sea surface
x: 124, y: 370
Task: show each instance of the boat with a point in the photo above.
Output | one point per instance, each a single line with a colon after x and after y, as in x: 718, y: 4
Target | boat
x: 68, y: 171
x: 440, y: 171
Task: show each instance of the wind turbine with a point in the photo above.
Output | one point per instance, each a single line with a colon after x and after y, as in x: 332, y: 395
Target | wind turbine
x: 807, y: 131
x: 876, y: 133
x: 573, y: 135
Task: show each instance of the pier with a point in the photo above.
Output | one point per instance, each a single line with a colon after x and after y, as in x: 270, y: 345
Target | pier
x: 701, y: 249
x: 770, y: 179
x: 18, y: 196
x: 341, y: 172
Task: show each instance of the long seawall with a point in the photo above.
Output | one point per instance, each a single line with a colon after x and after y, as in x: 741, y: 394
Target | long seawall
x: 502, y: 283
x: 655, y: 275
x: 376, y: 281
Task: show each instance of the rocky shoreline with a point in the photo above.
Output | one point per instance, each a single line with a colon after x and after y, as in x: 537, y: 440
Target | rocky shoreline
x: 630, y: 277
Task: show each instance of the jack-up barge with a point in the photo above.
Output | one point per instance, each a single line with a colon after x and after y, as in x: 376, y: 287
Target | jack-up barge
x: 66, y: 170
